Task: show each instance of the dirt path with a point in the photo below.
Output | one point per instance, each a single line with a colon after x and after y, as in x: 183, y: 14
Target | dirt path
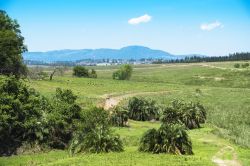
x: 218, y: 157
x: 112, y: 101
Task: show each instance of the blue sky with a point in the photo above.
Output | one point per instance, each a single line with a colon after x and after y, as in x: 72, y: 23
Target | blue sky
x: 211, y: 27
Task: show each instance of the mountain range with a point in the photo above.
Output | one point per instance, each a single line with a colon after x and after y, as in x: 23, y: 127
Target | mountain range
x: 130, y: 52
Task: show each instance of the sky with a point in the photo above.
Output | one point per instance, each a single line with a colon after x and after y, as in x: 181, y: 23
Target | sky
x: 208, y: 27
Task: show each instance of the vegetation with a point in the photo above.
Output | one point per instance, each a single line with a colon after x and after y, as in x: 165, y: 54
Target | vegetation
x: 193, y: 59
x: 124, y: 73
x: 11, y: 47
x: 190, y: 114
x: 81, y: 71
x: 21, y: 116
x: 237, y: 65
x: 119, y: 117
x: 63, y: 118
x: 95, y: 135
x: 169, y: 138
x: 142, y: 109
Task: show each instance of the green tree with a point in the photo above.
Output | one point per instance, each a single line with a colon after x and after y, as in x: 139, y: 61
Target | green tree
x: 80, y: 71
x: 11, y: 47
x: 21, y: 115
x: 63, y: 118
x: 124, y: 73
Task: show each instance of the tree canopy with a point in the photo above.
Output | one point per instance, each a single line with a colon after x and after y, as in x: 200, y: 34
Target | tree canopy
x: 11, y: 47
x: 124, y: 73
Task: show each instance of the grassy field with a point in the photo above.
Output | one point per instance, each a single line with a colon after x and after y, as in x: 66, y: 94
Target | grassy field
x: 223, y: 90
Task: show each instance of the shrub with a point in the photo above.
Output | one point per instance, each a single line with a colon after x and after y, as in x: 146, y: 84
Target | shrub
x: 237, y: 65
x: 93, y: 74
x: 21, y: 115
x: 80, y: 71
x: 119, y: 117
x: 171, y: 139
x: 190, y: 114
x: 142, y: 110
x: 95, y: 134
x: 124, y: 73
x: 245, y: 65
x: 63, y: 118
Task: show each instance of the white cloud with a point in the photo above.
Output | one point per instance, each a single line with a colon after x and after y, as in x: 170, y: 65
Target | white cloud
x: 142, y: 19
x: 211, y: 26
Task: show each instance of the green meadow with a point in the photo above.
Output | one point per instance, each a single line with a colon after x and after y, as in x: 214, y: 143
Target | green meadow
x: 224, y: 91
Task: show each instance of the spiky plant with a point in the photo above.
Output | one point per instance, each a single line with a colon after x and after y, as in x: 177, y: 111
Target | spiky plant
x: 171, y: 139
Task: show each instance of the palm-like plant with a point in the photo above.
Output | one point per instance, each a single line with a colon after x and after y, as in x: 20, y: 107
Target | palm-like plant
x: 171, y: 139
x: 141, y: 109
x: 190, y: 114
x: 95, y: 134
x: 119, y: 117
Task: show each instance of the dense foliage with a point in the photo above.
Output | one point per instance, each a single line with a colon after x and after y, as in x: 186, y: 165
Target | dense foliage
x: 190, y: 114
x: 21, y: 115
x: 11, y: 47
x: 95, y: 134
x: 142, y: 110
x: 171, y: 138
x: 119, y: 117
x: 63, y: 118
x: 124, y: 73
x: 81, y: 71
x: 193, y: 59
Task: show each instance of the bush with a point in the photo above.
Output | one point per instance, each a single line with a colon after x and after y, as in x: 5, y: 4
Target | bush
x: 142, y: 110
x: 119, y: 117
x: 124, y: 73
x: 81, y: 71
x: 95, y: 134
x: 21, y: 116
x: 171, y: 139
x: 190, y: 114
x: 245, y: 65
x: 237, y: 65
x: 63, y: 119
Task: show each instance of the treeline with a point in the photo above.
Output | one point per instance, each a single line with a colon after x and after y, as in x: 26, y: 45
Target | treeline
x: 193, y: 59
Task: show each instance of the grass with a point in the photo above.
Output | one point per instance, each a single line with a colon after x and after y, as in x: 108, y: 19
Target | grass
x: 224, y: 92
x: 205, y: 145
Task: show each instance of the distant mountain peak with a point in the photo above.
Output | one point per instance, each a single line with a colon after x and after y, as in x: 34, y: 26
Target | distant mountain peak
x: 129, y: 52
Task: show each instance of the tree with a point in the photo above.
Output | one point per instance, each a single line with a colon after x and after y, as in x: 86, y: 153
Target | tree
x: 95, y: 134
x: 63, y: 118
x: 142, y: 110
x: 21, y: 116
x: 171, y: 138
x: 124, y: 73
x: 11, y: 47
x: 81, y: 71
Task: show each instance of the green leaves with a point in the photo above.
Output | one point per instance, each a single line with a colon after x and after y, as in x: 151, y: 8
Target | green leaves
x: 11, y: 47
x: 142, y: 110
x: 124, y: 73
x: 190, y: 114
x: 95, y: 135
x: 171, y: 138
